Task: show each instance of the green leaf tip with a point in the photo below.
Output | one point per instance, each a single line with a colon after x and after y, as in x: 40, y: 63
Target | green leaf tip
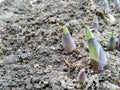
x: 112, y: 34
x: 65, y: 30
x: 89, y: 34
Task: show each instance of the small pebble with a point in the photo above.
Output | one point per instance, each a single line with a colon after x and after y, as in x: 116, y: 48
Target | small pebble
x: 1, y: 62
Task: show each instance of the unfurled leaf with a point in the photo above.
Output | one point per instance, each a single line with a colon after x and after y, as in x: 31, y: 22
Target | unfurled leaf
x: 97, y: 54
x: 95, y: 23
x: 112, y: 42
x: 106, y: 6
x: 117, y: 4
x: 67, y: 41
x: 81, y: 77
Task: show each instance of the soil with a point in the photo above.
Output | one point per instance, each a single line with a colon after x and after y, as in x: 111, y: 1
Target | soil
x: 31, y: 52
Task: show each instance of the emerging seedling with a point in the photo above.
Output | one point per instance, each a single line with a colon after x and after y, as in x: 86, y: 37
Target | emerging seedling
x: 106, y: 6
x: 112, y: 42
x: 117, y: 4
x: 81, y: 78
x: 95, y: 23
x: 97, y: 54
x: 67, y: 41
x: 118, y: 46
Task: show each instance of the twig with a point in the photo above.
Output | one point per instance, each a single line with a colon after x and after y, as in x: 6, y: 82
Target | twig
x: 68, y: 64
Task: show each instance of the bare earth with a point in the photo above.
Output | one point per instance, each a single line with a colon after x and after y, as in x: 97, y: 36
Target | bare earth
x: 31, y: 52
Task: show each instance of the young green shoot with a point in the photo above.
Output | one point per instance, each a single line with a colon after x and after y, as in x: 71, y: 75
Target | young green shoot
x: 95, y: 23
x: 97, y: 54
x: 112, y: 42
x: 106, y: 6
x: 67, y: 41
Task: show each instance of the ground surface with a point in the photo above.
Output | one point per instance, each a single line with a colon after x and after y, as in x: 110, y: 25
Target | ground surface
x: 31, y: 53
